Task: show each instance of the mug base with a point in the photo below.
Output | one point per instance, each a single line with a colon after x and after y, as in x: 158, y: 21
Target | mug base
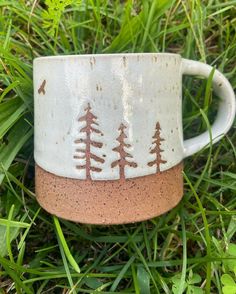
x: 109, y: 202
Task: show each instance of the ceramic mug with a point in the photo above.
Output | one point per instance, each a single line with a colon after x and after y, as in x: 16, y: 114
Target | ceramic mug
x: 108, y: 133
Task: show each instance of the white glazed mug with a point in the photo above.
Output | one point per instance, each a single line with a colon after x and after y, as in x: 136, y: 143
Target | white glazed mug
x: 108, y: 133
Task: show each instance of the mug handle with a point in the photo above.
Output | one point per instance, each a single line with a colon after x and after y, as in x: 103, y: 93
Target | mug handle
x: 226, y: 111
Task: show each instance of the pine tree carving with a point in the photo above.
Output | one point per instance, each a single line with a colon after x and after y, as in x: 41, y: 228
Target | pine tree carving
x: 90, y: 122
x: 157, y: 148
x: 122, y: 162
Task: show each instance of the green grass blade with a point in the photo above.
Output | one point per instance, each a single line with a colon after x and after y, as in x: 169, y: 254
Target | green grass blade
x: 66, y: 249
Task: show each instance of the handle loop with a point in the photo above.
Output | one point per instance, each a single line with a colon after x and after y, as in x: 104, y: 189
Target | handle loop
x: 226, y: 111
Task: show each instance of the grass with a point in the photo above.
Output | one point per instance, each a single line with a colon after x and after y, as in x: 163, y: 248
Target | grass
x: 188, y: 249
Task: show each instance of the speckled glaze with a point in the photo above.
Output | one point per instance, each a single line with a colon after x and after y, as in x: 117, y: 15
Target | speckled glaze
x: 108, y: 133
x: 133, y: 90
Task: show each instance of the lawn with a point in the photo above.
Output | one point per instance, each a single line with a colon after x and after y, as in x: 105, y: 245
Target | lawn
x: 190, y: 249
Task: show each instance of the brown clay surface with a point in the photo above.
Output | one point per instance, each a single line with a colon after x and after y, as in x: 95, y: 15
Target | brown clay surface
x: 109, y: 202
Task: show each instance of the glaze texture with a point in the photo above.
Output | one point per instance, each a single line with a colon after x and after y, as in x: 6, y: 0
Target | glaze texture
x: 136, y: 91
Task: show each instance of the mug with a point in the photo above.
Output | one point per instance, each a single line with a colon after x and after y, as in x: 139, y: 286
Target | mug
x: 109, y: 141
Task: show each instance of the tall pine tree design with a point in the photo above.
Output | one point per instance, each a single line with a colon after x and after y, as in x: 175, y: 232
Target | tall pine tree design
x: 122, y: 162
x: 157, y: 148
x: 90, y: 122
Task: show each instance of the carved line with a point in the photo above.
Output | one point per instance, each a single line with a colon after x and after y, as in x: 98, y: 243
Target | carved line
x: 89, y: 119
x: 157, y: 148
x: 122, y: 162
x: 41, y: 89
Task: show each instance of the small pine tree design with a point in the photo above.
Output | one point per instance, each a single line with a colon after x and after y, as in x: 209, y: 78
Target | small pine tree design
x: 90, y: 122
x: 122, y: 162
x: 157, y: 148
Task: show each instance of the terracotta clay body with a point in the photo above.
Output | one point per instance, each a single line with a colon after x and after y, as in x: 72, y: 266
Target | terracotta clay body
x: 109, y: 202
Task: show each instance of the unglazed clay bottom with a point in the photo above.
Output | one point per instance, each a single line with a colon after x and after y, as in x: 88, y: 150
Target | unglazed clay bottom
x: 109, y: 202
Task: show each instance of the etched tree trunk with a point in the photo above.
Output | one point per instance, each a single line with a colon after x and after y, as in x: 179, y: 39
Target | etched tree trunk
x: 122, y: 162
x: 90, y: 120
x: 157, y: 148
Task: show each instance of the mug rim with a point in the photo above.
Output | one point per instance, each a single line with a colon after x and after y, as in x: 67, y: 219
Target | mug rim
x: 106, y: 55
